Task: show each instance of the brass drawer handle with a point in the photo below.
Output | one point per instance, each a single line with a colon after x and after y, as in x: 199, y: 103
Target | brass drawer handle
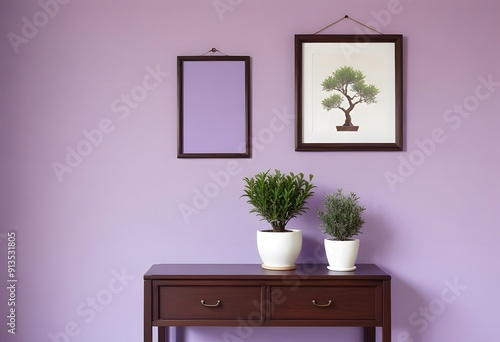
x: 322, y: 305
x: 210, y: 305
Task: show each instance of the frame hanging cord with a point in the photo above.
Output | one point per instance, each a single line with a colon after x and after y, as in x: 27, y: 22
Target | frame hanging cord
x: 214, y: 51
x: 347, y: 17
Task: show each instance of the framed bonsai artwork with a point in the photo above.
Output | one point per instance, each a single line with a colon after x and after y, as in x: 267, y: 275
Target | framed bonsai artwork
x: 349, y: 92
x: 214, y: 106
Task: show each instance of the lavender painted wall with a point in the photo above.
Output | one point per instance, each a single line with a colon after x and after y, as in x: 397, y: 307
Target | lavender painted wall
x: 91, y: 184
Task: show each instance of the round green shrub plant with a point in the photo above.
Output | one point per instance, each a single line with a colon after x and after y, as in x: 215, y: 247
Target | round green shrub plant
x: 278, y: 197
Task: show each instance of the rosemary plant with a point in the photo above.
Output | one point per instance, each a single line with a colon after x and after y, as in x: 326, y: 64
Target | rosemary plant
x: 342, y: 218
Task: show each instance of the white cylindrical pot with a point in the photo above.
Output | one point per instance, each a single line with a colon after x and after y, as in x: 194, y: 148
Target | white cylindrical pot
x: 279, y: 251
x: 341, y: 255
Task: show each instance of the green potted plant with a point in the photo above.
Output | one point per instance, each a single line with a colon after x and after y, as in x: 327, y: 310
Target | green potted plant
x: 342, y: 219
x: 277, y: 198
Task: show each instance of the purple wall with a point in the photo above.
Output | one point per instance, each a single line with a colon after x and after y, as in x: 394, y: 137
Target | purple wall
x: 91, y: 184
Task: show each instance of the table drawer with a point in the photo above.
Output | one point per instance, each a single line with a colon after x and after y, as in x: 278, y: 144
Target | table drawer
x: 209, y: 302
x: 325, y: 303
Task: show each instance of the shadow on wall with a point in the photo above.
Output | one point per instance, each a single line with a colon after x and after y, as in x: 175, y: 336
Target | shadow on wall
x: 405, y: 301
x: 376, y: 239
x: 417, y: 314
x: 313, y: 251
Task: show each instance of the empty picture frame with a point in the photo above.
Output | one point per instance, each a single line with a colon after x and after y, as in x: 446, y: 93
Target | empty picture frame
x: 214, y: 106
x: 349, y: 92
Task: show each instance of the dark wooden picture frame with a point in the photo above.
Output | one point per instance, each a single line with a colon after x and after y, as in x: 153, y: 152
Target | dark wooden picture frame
x: 214, y: 106
x: 342, y: 79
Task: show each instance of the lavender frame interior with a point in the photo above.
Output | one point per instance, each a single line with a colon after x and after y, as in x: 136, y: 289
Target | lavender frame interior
x: 214, y: 106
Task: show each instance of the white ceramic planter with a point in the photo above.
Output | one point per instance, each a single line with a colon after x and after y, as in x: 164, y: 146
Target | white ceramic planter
x: 341, y: 255
x: 279, y: 251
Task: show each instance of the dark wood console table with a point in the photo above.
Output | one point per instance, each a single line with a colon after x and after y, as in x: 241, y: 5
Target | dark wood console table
x: 227, y: 295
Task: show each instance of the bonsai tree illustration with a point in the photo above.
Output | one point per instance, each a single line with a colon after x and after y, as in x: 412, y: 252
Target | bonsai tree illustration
x: 350, y: 83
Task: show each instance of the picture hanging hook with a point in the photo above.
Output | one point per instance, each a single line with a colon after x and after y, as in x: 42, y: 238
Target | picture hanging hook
x: 348, y: 17
x: 214, y: 50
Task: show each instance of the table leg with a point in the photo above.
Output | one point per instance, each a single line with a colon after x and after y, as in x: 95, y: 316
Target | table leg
x: 369, y: 334
x: 162, y: 334
x: 148, y: 333
x: 386, y: 327
x: 148, y: 299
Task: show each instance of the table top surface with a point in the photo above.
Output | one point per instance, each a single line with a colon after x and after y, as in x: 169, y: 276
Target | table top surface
x: 255, y: 271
